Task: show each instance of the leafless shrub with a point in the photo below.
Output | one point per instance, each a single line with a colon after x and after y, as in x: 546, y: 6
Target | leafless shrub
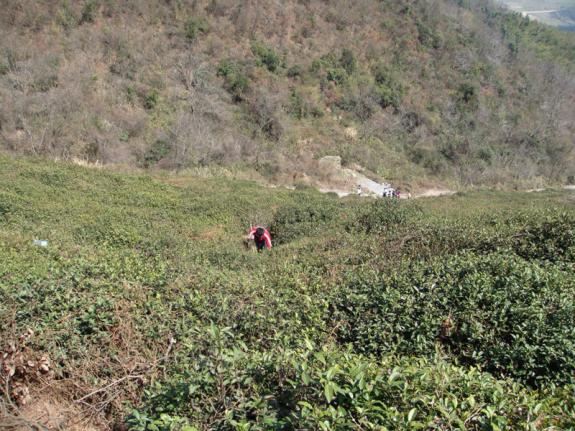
x: 264, y: 111
x: 192, y: 72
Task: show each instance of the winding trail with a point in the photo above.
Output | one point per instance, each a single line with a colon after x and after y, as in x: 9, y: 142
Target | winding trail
x: 429, y: 193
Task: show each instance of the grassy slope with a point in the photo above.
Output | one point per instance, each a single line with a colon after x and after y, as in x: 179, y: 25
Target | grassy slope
x: 133, y: 261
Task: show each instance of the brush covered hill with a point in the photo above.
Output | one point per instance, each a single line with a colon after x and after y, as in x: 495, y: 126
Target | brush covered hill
x: 144, y: 311
x: 457, y: 90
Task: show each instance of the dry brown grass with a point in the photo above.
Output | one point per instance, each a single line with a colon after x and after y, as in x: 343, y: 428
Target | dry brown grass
x: 35, y: 396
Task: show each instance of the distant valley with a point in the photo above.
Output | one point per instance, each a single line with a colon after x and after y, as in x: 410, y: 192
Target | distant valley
x: 557, y: 13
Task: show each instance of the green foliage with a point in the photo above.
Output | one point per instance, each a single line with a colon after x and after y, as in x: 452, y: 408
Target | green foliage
x: 384, y: 215
x: 295, y: 71
x: 548, y: 43
x: 236, y: 81
x: 159, y: 149
x: 336, y: 75
x: 327, y: 61
x: 300, y: 107
x: 66, y: 17
x: 9, y: 61
x: 131, y: 93
x: 362, y: 107
x: 194, y: 26
x: 301, y: 220
x: 507, y: 315
x: 452, y: 313
x: 96, y: 319
x: 382, y: 75
x: 124, y: 63
x: 227, y: 67
x: 6, y: 205
x: 432, y: 160
x: 551, y: 239
x: 266, y: 56
x: 348, y: 61
x: 454, y: 309
x: 327, y: 389
x: 151, y: 99
x: 387, y: 96
x: 467, y: 96
x: 335, y: 69
x: 89, y: 11
x: 427, y: 36
x: 388, y: 91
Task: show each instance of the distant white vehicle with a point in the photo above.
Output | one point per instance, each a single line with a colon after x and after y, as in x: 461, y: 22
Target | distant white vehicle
x: 388, y: 192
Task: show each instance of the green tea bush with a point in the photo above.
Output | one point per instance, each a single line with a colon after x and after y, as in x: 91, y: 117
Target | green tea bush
x: 232, y: 387
x: 383, y: 215
x: 7, y: 205
x: 301, y: 220
x: 552, y: 239
x: 108, y: 235
x: 448, y: 313
x: 510, y: 316
x: 535, y: 236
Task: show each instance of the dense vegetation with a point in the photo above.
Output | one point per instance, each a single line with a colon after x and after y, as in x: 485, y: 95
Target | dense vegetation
x: 454, y: 90
x: 447, y: 313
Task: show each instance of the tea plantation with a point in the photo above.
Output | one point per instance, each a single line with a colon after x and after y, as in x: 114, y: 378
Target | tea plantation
x: 147, y: 313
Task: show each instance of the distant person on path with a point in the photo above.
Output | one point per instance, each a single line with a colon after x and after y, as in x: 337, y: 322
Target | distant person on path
x: 359, y: 189
x: 261, y: 237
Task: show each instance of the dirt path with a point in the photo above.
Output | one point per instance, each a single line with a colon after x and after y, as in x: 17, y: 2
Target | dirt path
x: 424, y: 194
x: 430, y: 193
x: 345, y: 181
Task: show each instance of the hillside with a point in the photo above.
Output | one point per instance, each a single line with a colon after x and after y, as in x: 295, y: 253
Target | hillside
x: 144, y: 311
x: 442, y: 90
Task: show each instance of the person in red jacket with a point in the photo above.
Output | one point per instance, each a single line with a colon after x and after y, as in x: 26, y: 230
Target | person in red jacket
x: 261, y: 237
